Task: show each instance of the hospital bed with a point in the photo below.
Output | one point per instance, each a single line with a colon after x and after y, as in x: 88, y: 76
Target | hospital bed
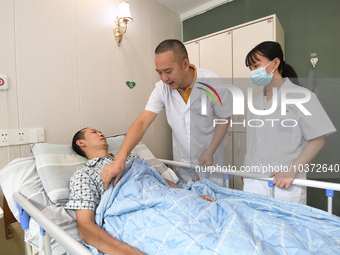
x: 38, y: 186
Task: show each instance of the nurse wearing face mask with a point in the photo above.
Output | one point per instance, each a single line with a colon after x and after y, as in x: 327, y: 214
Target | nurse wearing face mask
x: 278, y: 145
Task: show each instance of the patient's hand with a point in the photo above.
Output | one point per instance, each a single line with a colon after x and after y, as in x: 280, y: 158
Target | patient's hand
x: 113, y: 170
x: 208, y: 198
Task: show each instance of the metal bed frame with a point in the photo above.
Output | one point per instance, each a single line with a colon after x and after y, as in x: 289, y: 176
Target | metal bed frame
x: 26, y: 209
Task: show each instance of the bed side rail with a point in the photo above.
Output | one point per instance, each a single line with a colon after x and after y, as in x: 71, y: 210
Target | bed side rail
x: 328, y: 186
x: 63, y: 238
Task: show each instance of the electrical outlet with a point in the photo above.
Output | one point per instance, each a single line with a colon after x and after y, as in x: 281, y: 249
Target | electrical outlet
x: 19, y: 137
x: 24, y: 136
x: 4, y: 138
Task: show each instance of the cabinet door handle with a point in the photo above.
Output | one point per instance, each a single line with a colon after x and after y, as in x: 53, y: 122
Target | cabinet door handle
x: 226, y: 148
x: 239, y: 148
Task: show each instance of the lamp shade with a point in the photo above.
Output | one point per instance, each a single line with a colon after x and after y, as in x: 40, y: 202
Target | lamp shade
x: 124, y: 10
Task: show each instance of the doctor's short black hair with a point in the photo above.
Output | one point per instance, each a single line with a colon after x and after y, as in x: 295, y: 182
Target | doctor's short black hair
x: 176, y: 46
x: 78, y: 136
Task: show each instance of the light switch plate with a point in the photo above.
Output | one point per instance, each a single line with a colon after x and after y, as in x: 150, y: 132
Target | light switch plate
x: 3, y: 82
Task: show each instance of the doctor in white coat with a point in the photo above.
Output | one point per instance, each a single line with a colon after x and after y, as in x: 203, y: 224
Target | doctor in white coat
x: 195, y: 139
x: 283, y: 146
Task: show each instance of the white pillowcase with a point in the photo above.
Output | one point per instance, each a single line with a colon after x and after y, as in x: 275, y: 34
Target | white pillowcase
x: 13, y: 176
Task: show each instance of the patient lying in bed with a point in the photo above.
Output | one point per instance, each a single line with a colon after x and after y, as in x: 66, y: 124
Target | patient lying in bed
x: 87, y: 189
x: 143, y: 214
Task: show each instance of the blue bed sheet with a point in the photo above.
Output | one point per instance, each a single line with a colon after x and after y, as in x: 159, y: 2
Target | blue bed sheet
x: 143, y: 211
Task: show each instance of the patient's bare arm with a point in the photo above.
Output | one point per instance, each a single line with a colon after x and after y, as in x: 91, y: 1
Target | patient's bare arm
x: 173, y: 185
x: 99, y: 238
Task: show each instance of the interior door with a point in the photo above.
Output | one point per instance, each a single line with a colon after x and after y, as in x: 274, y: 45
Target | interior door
x: 216, y: 54
x: 193, y: 50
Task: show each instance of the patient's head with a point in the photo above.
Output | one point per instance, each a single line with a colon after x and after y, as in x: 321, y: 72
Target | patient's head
x: 89, y: 141
x: 78, y: 136
x: 177, y: 47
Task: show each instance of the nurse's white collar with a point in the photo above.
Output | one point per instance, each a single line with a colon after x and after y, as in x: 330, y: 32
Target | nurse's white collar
x: 286, y: 84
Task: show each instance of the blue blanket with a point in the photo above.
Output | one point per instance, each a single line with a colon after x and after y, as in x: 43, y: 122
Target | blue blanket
x: 144, y: 212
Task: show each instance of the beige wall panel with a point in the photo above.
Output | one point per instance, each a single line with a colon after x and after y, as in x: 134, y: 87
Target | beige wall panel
x: 47, y: 67
x: 176, y: 26
x: 162, y: 26
x: 135, y: 54
x: 166, y: 151
x: 8, y: 98
x: 8, y: 109
x: 99, y: 67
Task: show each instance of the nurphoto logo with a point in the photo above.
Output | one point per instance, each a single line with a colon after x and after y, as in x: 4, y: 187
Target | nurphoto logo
x: 238, y: 103
x: 204, y: 98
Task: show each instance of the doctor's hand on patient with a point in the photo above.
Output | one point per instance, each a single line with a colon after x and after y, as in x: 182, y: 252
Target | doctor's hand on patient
x: 113, y: 170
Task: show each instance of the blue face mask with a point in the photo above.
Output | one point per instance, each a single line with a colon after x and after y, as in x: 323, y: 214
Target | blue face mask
x: 260, y: 77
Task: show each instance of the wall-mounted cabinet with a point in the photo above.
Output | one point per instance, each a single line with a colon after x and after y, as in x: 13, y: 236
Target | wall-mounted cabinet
x: 224, y: 53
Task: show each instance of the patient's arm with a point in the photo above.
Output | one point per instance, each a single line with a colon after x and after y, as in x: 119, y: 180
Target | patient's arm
x: 99, y: 238
x: 207, y: 197
x: 173, y: 185
x: 132, y: 138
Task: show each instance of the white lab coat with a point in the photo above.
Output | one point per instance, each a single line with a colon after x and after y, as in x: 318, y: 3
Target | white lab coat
x: 278, y: 145
x: 192, y: 133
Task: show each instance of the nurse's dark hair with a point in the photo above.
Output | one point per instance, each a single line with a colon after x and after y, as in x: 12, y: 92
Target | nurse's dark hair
x: 272, y: 50
x: 78, y: 136
x: 176, y: 46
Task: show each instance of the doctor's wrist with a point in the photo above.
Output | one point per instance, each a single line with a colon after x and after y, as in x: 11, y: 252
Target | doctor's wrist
x: 121, y: 157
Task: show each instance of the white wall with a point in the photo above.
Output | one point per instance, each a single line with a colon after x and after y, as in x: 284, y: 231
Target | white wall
x: 66, y: 72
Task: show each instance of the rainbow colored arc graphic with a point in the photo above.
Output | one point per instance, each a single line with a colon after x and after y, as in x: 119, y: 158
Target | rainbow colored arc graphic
x: 208, y: 92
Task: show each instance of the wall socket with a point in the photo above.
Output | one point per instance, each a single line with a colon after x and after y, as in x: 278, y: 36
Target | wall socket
x: 4, y: 138
x: 21, y: 136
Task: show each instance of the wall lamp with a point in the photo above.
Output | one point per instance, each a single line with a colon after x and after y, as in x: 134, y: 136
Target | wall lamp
x: 121, y: 21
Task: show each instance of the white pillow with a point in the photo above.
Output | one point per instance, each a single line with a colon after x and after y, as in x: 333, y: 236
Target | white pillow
x: 56, y: 164
x: 13, y: 176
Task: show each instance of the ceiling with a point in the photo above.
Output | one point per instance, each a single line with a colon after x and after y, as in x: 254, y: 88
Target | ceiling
x: 189, y: 8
